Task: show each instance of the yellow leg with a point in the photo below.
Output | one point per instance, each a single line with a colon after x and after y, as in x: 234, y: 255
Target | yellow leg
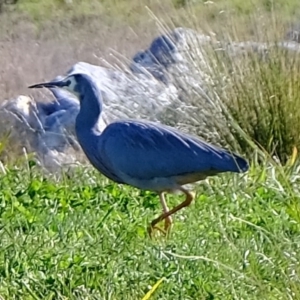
x: 168, y: 220
x: 166, y: 215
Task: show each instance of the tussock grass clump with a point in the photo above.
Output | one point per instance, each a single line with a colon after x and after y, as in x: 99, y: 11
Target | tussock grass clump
x: 262, y: 95
x: 259, y: 93
x: 242, y: 94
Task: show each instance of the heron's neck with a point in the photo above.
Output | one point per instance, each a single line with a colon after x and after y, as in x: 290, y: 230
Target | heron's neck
x: 89, y: 114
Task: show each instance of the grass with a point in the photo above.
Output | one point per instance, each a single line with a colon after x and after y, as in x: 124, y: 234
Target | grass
x: 83, y: 237
x: 80, y: 236
x: 39, y: 42
x: 262, y: 96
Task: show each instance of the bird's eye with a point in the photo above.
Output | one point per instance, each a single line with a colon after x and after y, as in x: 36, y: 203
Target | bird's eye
x: 68, y: 82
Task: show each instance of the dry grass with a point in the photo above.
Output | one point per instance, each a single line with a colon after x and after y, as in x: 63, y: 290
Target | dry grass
x: 28, y: 58
x: 35, y: 49
x: 42, y: 40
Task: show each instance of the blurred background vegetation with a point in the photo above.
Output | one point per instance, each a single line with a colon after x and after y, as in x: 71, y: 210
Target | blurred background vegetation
x: 43, y: 38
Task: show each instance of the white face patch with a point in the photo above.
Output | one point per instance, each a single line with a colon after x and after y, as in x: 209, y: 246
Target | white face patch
x: 71, y: 86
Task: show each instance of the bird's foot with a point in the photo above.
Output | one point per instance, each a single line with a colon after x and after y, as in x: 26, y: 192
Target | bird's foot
x: 151, y: 230
x: 168, y: 224
x: 165, y: 232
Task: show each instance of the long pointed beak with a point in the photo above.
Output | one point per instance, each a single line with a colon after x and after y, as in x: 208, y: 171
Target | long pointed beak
x: 50, y: 84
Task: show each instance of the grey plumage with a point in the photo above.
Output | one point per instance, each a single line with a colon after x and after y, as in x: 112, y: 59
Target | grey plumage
x: 143, y: 154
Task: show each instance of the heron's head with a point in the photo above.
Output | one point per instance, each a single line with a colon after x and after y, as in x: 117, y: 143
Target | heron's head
x: 75, y: 84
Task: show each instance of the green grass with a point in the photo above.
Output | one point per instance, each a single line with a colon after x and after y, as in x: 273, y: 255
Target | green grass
x: 133, y: 12
x: 80, y: 236
x: 83, y: 237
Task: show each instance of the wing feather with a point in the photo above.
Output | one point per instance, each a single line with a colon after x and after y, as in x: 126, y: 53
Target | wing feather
x: 145, y: 150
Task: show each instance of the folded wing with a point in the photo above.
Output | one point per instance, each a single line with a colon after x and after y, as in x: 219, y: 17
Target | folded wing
x: 144, y: 150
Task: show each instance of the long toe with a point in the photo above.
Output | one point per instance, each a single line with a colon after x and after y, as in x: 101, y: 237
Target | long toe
x: 168, y: 223
x: 152, y: 228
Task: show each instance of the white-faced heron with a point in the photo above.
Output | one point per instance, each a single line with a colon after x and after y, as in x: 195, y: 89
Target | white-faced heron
x: 143, y: 154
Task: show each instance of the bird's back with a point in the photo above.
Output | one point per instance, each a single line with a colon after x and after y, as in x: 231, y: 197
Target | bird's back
x: 147, y: 151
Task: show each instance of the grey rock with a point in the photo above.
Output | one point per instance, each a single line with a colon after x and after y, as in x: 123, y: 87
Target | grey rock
x: 161, y: 84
